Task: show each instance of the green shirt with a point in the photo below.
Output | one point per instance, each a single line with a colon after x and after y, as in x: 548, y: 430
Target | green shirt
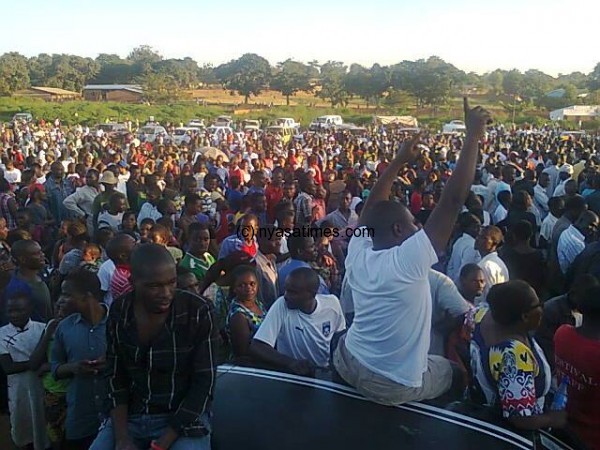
x: 51, y: 384
x: 198, y: 266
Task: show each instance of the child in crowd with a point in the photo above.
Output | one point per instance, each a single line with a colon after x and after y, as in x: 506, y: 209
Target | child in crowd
x: 319, y: 208
x: 186, y: 281
x: 55, y: 391
x: 145, y: 227
x: 112, y: 217
x: 120, y: 283
x: 91, y: 259
x: 159, y: 234
x: 18, y: 340
x: 129, y: 224
x: 40, y: 216
x: 103, y: 235
x: 61, y: 247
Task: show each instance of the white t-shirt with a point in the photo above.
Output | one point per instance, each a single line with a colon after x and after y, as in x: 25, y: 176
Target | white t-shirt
x: 107, y: 219
x: 303, y: 336
x: 390, y: 334
x: 12, y: 176
x: 105, y: 274
x: 494, y: 272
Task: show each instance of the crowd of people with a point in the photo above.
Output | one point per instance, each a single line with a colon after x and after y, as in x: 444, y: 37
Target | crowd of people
x: 411, y: 266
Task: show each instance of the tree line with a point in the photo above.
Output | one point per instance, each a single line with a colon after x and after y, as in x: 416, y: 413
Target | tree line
x: 426, y: 81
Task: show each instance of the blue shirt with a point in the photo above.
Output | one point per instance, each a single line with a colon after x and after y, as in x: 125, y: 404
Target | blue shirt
x: 234, y: 198
x: 56, y: 194
x: 290, y: 266
x: 75, y: 340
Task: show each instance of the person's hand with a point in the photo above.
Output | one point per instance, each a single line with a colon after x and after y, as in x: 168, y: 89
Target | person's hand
x: 476, y: 119
x: 408, y: 150
x: 558, y: 419
x: 125, y: 444
x: 301, y: 367
x: 86, y: 367
x: 328, y: 261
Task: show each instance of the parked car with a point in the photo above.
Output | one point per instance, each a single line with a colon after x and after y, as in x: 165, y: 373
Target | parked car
x: 225, y: 121
x: 286, y: 133
x: 183, y: 135
x: 196, y: 123
x: 250, y: 125
x: 454, y: 127
x: 113, y: 130
x: 325, y: 123
x: 22, y: 117
x: 286, y: 122
x: 214, y: 129
x: 150, y: 133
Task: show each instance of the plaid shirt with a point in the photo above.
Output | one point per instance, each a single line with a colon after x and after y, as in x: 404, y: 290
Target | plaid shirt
x: 175, y: 374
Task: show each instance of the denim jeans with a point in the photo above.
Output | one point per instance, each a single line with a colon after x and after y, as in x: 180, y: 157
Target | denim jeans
x: 143, y: 429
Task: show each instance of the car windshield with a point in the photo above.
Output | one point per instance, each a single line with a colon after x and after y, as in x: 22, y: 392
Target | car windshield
x: 180, y: 132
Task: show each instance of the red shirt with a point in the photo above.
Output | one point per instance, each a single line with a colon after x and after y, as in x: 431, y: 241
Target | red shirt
x: 274, y: 195
x: 578, y: 358
x: 416, y: 201
x: 318, y: 176
x: 120, y: 283
x: 236, y: 172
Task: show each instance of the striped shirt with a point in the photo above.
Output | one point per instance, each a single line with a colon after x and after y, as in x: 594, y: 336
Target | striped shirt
x: 570, y: 244
x: 175, y: 374
x: 120, y: 283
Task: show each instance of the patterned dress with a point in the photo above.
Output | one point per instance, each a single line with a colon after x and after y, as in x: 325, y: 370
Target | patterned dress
x: 254, y: 320
x: 512, y: 375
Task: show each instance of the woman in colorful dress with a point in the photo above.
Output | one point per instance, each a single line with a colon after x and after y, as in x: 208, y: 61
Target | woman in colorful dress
x: 246, y: 313
x: 509, y: 367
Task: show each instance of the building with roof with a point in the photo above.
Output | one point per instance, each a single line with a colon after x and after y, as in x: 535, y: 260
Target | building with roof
x: 50, y: 94
x: 576, y: 112
x: 128, y: 93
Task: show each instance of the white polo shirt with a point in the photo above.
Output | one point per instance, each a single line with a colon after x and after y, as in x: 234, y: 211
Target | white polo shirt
x: 303, y: 336
x: 391, y: 331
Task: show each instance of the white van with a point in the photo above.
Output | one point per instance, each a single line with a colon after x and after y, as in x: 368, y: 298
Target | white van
x: 325, y: 123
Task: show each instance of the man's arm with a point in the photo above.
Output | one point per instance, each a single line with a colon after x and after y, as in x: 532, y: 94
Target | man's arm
x: 441, y: 222
x: 38, y: 357
x: 199, y: 395
x: 263, y: 352
x: 381, y: 190
x: 71, y: 203
x: 11, y: 367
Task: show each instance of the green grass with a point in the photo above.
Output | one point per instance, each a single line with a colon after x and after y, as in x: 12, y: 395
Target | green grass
x: 92, y: 113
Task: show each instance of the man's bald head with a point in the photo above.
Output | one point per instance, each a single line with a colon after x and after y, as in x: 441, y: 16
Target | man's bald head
x: 146, y: 257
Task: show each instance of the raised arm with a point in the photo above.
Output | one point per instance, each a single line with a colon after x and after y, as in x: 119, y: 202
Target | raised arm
x: 381, y: 190
x: 442, y: 219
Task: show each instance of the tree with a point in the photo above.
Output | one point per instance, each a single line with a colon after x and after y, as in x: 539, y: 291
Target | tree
x: 291, y: 77
x: 160, y: 87
x: 183, y: 71
x: 332, y: 82
x: 431, y: 81
x: 495, y: 81
x: 206, y: 74
x: 114, y: 70
x: 594, y: 78
x: 143, y: 58
x: 248, y: 75
x: 536, y: 84
x: 513, y: 83
x: 369, y: 84
x: 14, y: 74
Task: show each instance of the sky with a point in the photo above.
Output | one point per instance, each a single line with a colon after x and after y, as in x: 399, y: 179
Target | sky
x: 555, y: 36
